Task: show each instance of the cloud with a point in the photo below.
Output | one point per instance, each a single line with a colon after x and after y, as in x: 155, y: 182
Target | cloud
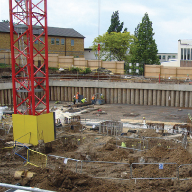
x: 4, y: 10
x: 171, y: 19
x: 180, y: 27
x: 72, y: 13
x: 129, y: 8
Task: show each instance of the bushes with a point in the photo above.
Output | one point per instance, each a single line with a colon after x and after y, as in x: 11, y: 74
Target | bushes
x: 72, y: 70
x: 53, y: 68
x: 79, y: 70
x: 3, y: 65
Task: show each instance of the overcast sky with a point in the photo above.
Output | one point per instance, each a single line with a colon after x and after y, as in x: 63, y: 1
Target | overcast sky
x: 172, y: 19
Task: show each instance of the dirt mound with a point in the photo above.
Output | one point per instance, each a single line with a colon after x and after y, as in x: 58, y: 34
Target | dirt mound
x: 153, y: 171
x: 74, y: 127
x: 116, y: 155
x: 5, y: 72
x: 149, y: 133
x: 65, y: 143
x: 110, y: 152
x: 179, y: 156
x: 109, y: 147
x: 61, y: 179
x: 156, y: 152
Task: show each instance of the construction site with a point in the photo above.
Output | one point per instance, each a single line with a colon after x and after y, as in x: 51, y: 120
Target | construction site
x: 102, y: 131
x: 103, y: 148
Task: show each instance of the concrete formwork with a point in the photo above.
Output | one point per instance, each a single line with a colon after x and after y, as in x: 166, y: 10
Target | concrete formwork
x: 111, y: 128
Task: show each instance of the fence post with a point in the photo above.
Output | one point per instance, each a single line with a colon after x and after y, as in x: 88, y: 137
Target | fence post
x: 131, y: 171
x: 76, y: 166
x: 81, y: 166
x: 176, y: 73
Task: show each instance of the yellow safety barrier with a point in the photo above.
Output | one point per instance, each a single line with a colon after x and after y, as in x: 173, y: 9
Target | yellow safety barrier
x: 36, y: 159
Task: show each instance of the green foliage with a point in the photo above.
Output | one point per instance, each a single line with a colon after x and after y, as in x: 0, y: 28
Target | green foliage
x: 74, y: 69
x: 144, y: 50
x: 53, y: 68
x: 114, y: 46
x: 87, y: 70
x: 79, y: 70
x: 3, y: 65
x: 115, y: 26
x: 5, y: 21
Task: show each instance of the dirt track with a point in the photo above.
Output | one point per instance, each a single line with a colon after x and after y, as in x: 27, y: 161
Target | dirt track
x: 89, y: 145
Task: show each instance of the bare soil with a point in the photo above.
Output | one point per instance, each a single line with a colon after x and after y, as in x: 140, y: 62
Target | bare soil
x: 84, y: 144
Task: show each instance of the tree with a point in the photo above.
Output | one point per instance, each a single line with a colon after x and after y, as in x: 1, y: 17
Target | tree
x: 137, y: 30
x: 5, y: 21
x: 115, y: 26
x: 114, y: 46
x: 145, y: 49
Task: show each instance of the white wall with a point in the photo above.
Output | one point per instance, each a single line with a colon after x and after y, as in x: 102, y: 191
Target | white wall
x: 171, y: 63
x: 89, y: 54
x: 185, y: 44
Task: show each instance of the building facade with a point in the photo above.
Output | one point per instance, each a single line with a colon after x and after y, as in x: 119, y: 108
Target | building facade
x: 164, y: 57
x: 63, y: 41
x: 185, y: 52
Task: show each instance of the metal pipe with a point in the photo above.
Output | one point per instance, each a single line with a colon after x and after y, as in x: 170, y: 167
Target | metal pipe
x: 22, y: 188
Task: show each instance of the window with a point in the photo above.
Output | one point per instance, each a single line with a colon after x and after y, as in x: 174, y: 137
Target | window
x: 191, y: 54
x: 62, y: 41
x: 181, y: 53
x: 137, y: 64
x: 163, y: 56
x: 41, y: 38
x: 188, y: 54
x: 129, y: 70
x: 185, y: 52
x: 52, y: 41
x: 159, y: 56
x: 169, y: 56
x: 130, y: 64
x: 72, y: 42
x: 57, y: 41
x: 137, y: 70
x: 173, y: 56
x: 36, y: 42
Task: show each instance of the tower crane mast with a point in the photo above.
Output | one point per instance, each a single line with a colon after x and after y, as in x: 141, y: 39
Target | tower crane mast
x: 29, y: 56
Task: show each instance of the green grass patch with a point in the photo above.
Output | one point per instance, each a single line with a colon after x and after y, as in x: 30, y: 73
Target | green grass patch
x: 3, y: 65
x: 53, y: 68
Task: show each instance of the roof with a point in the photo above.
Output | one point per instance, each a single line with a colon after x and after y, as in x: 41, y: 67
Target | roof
x: 88, y: 49
x: 52, y: 31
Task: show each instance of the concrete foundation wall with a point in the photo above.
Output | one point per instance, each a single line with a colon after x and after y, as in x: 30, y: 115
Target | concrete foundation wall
x: 174, y: 95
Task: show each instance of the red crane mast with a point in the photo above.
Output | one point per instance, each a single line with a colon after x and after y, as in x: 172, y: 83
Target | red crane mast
x: 29, y: 56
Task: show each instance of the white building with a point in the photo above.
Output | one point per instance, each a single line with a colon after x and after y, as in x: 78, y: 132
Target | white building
x: 185, y: 52
x: 89, y: 54
x: 164, y: 57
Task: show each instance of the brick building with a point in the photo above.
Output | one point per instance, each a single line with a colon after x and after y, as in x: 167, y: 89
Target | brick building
x: 64, y: 41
